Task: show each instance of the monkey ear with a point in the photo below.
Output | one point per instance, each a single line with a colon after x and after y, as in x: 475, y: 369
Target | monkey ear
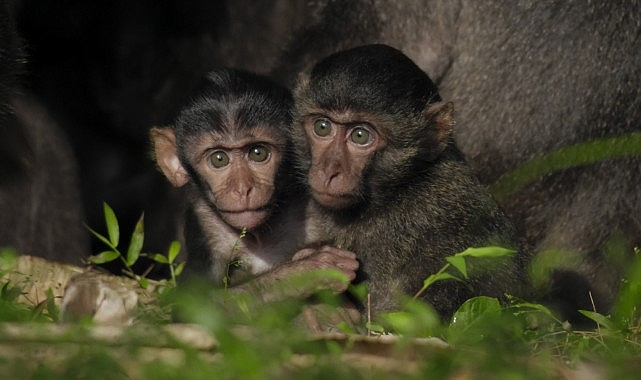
x: 441, y: 116
x: 165, y: 154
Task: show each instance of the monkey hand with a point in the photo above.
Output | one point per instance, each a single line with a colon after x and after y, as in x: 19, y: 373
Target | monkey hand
x: 327, y: 257
x: 310, y: 271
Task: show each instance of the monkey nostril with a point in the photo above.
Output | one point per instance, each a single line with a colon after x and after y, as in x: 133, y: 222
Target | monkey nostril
x: 244, y: 192
x: 332, y: 179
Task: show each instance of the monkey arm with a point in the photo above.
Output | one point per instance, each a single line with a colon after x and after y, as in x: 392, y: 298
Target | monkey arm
x: 310, y: 271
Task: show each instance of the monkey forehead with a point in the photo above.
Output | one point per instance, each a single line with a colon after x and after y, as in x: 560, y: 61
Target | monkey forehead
x: 380, y: 122
x: 240, y: 137
x: 371, y: 78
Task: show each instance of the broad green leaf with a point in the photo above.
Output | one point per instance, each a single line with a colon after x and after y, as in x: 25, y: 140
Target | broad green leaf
x: 474, y: 309
x: 458, y: 262
x: 359, y: 291
x: 174, y: 249
x: 375, y: 327
x: 113, y: 229
x: 486, y: 252
x: 104, y: 257
x: 474, y: 320
x: 137, y: 239
x: 401, y: 322
x: 417, y: 319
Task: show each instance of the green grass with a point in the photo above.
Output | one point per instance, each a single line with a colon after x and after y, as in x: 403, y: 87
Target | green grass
x: 266, y: 341
x: 255, y: 340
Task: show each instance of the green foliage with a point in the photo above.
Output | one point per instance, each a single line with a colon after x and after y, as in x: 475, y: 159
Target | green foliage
x: 134, y: 249
x: 625, y: 312
x: 564, y: 158
x: 268, y: 340
x: 11, y: 310
x: 458, y: 262
x: 415, y: 319
x: 235, y: 263
x: 8, y: 257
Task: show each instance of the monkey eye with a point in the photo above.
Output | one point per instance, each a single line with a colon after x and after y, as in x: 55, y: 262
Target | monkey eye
x: 258, y: 153
x: 219, y: 159
x: 322, y: 127
x: 360, y: 136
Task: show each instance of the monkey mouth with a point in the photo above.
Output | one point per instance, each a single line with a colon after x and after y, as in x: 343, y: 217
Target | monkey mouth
x: 332, y: 200
x: 245, y: 219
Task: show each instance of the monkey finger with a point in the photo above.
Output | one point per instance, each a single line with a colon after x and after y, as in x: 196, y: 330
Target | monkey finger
x: 303, y: 253
x: 338, y: 252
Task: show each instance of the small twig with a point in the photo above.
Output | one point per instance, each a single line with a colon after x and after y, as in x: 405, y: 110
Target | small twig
x: 598, y: 325
x: 147, y: 271
x: 369, y: 314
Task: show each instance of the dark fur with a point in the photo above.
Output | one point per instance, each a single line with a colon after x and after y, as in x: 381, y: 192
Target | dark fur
x: 40, y: 205
x: 417, y: 208
x: 527, y: 78
x: 228, y: 100
x: 234, y: 111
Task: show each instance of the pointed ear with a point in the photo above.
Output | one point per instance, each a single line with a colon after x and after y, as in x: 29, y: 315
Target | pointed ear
x: 441, y: 119
x: 165, y: 154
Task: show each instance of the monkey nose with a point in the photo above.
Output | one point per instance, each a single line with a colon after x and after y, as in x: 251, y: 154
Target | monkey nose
x: 243, y: 191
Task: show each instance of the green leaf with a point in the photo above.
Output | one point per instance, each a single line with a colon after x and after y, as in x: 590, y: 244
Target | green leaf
x: 179, y: 269
x: 101, y: 238
x: 626, y: 307
x: 417, y: 319
x: 567, y: 157
x: 475, y: 308
x: 104, y: 257
x: 174, y: 249
x: 600, y: 319
x: 525, y: 307
x: 137, y: 239
x: 143, y: 282
x: 401, y: 322
x: 375, y: 327
x: 52, y: 308
x: 10, y: 293
x: 8, y: 259
x: 458, y: 262
x: 112, y: 225
x: 491, y: 251
x: 160, y: 258
x: 438, y: 277
x: 473, y: 320
x: 359, y: 291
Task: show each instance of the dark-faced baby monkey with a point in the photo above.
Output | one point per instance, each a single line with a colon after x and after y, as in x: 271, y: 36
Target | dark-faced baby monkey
x: 388, y: 182
x: 229, y: 150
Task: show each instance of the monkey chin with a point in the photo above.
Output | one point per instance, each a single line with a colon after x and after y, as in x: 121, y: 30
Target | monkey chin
x: 248, y: 219
x: 333, y: 201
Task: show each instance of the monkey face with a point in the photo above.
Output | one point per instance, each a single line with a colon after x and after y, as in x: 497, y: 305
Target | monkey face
x: 342, y: 145
x: 238, y: 173
x: 235, y: 172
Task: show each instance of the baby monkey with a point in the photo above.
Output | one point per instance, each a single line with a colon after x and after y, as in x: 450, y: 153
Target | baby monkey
x: 229, y: 149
